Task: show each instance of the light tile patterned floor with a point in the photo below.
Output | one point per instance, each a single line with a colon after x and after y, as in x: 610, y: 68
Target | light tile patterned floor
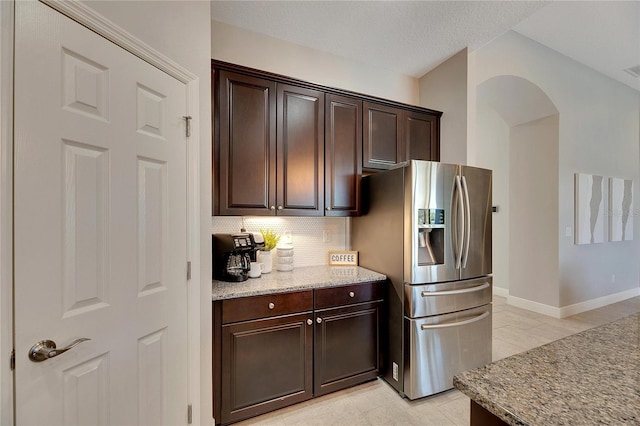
x: 376, y: 403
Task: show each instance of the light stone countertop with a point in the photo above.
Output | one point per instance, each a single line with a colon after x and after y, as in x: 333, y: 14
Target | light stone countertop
x: 304, y: 278
x: 592, y: 377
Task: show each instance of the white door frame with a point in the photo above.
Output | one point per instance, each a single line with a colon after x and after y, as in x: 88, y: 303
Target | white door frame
x: 96, y: 22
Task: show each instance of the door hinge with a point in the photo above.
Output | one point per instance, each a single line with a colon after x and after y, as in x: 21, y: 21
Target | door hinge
x: 12, y: 362
x: 187, y: 119
x: 189, y: 414
x: 189, y: 270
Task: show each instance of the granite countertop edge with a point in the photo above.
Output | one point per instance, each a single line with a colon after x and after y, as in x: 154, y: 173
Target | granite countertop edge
x: 524, y: 389
x: 301, y: 278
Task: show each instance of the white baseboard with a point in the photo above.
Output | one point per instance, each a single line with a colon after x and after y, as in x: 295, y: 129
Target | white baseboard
x: 530, y: 305
x: 499, y: 291
x: 576, y: 308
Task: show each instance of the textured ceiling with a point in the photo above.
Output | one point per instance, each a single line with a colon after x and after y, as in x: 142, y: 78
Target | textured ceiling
x: 413, y: 37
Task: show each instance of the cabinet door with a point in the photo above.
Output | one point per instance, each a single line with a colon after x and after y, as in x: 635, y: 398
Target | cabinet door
x: 347, y: 346
x: 246, y: 163
x: 421, y: 136
x: 300, y: 147
x: 382, y: 143
x: 266, y: 365
x: 343, y: 155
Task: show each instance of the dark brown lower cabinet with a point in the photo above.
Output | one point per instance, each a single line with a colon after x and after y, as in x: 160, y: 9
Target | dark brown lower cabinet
x: 346, y: 347
x: 266, y: 365
x: 276, y: 350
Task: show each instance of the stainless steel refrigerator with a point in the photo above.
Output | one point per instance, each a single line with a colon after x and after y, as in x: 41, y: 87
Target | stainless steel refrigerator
x: 427, y: 226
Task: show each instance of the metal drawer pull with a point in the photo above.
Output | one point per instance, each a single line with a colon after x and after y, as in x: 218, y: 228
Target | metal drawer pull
x: 450, y: 292
x: 351, y: 294
x: 455, y: 324
x: 309, y: 322
x: 46, y: 349
x: 271, y: 306
x: 319, y: 320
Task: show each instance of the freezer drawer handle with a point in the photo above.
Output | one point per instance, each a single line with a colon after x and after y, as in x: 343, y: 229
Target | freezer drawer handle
x: 450, y: 292
x: 455, y: 324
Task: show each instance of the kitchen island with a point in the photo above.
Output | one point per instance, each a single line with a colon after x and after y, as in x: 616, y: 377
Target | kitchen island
x: 592, y: 377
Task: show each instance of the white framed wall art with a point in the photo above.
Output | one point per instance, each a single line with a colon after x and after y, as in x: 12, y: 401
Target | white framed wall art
x: 620, y: 209
x: 589, y: 209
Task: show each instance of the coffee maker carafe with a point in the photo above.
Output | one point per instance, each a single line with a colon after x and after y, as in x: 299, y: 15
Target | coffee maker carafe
x: 232, y: 256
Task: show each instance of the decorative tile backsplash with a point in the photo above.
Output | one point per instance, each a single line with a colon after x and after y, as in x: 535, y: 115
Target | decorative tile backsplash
x: 308, y: 233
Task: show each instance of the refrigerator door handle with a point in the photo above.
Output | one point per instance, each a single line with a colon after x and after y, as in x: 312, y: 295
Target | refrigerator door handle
x: 455, y: 324
x: 467, y: 222
x: 459, y: 229
x: 454, y: 292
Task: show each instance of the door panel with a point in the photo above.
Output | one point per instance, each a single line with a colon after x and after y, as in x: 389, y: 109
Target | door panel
x: 247, y: 145
x: 431, y: 186
x: 382, y: 143
x: 478, y: 182
x: 100, y: 229
x: 439, y: 347
x: 300, y: 148
x: 343, y: 155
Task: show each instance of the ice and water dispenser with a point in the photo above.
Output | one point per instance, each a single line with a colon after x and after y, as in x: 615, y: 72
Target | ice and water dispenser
x: 430, y: 230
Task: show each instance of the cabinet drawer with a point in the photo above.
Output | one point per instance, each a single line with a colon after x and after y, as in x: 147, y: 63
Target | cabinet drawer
x: 253, y: 307
x: 347, y: 295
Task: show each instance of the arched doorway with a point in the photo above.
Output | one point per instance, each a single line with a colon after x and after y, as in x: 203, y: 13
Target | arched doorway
x: 517, y: 130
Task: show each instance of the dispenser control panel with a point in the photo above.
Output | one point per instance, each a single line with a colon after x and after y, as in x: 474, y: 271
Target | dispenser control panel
x: 428, y: 217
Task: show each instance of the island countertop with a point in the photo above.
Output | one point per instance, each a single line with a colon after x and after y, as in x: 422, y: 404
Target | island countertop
x: 302, y: 278
x: 592, y: 377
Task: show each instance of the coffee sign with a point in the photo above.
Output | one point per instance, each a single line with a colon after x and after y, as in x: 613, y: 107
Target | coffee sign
x: 343, y: 258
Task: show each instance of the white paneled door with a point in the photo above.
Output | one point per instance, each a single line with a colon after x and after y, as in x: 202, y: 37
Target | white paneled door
x: 100, y: 229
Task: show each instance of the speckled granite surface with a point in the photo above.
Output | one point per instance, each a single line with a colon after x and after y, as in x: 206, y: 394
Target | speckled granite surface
x: 304, y: 278
x: 589, y: 378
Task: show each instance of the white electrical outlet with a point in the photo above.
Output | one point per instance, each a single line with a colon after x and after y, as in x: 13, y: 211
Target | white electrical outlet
x: 613, y: 278
x: 326, y: 236
x: 395, y: 372
x: 567, y: 231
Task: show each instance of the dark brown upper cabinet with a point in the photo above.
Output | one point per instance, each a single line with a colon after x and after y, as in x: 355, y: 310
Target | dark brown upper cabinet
x: 421, y: 136
x: 271, y: 148
x: 283, y: 146
x: 300, y: 151
x: 343, y: 155
x: 382, y: 142
x: 247, y: 148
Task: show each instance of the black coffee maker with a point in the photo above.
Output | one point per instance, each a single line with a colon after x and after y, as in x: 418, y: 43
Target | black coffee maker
x: 232, y: 256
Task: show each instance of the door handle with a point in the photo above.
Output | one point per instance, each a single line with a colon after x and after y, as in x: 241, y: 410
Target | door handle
x: 455, y: 324
x: 46, y: 349
x: 467, y: 222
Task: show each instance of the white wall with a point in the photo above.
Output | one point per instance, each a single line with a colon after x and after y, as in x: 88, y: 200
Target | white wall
x: 445, y: 89
x: 533, y: 194
x: 492, y: 136
x: 239, y: 46
x: 598, y: 134
x: 181, y: 30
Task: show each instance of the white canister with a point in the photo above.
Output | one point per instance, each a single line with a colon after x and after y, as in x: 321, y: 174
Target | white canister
x: 285, y: 257
x: 264, y: 257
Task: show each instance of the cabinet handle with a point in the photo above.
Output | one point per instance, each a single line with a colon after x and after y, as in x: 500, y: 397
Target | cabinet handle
x: 271, y: 306
x: 309, y: 322
x: 328, y: 209
x: 351, y: 294
x: 273, y: 207
x: 279, y: 207
x: 319, y: 320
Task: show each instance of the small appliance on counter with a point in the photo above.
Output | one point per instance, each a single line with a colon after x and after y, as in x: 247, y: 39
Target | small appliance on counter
x: 232, y: 255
